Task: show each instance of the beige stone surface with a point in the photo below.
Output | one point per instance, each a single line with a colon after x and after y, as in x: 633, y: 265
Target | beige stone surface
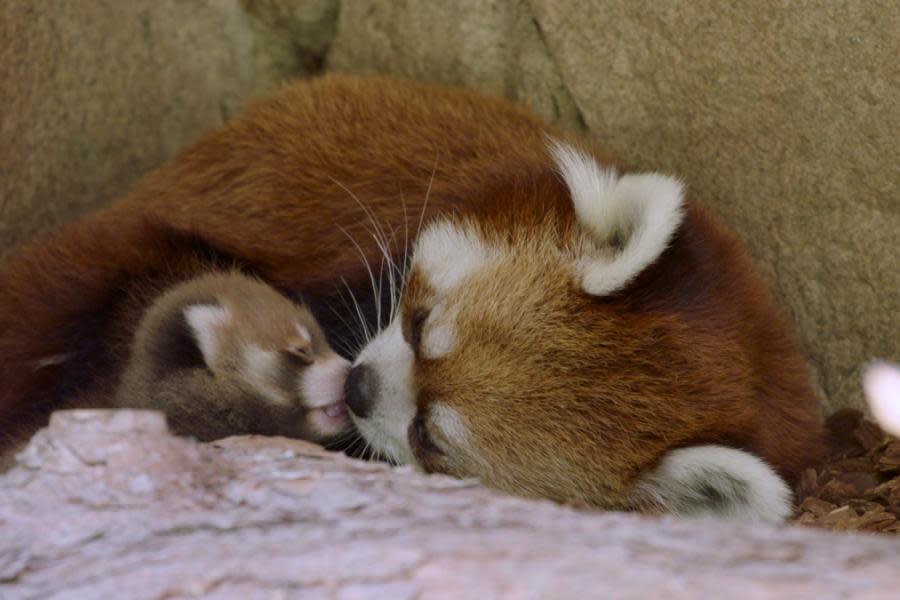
x: 96, y: 93
x: 782, y: 116
x: 106, y: 504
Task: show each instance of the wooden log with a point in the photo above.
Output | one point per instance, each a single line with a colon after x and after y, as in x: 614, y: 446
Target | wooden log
x: 108, y: 504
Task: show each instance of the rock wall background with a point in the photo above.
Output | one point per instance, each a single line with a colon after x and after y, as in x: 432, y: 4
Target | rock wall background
x: 96, y: 93
x: 782, y: 116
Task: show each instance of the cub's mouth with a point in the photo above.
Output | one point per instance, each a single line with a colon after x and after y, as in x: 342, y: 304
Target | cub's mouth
x: 329, y: 421
x: 323, y: 392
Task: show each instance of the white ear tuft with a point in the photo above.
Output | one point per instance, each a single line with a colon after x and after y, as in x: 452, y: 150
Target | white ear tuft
x: 630, y: 219
x: 718, y: 482
x: 204, y: 320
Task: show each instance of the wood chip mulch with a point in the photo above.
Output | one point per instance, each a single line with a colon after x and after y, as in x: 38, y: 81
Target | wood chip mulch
x: 858, y: 487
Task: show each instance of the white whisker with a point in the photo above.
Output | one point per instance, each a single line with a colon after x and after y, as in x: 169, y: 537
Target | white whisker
x: 359, y: 313
x: 403, y: 271
x: 396, y: 280
x: 345, y: 439
x: 358, y: 335
x: 427, y: 195
x: 385, y: 246
x: 379, y: 235
x: 365, y: 261
x: 344, y: 344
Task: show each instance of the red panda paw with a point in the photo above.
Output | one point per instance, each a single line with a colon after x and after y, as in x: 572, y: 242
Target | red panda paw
x: 715, y: 482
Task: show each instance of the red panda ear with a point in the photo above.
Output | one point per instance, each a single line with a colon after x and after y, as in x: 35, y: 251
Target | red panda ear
x: 206, y: 322
x: 629, y: 220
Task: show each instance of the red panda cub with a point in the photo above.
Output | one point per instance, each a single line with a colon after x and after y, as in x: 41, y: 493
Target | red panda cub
x: 225, y: 354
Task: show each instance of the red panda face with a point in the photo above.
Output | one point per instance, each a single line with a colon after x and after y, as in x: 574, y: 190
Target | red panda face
x: 584, y: 337
x: 511, y: 360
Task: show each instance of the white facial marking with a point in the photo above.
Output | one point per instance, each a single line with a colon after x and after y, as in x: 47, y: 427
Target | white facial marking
x: 323, y: 382
x: 451, y: 424
x: 391, y: 359
x: 204, y: 320
x: 717, y: 482
x: 439, y: 341
x: 303, y: 332
x: 882, y: 385
x: 631, y: 219
x: 439, y: 337
x: 258, y: 367
x: 257, y: 360
x: 448, y: 252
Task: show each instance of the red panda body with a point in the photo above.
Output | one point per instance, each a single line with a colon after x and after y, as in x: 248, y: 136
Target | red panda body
x: 285, y: 190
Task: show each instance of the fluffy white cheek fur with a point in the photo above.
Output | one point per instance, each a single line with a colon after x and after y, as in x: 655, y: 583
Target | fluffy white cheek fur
x: 322, y: 390
x: 323, y: 382
x: 394, y: 404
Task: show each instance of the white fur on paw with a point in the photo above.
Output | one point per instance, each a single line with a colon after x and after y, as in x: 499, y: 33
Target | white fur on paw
x: 716, y: 482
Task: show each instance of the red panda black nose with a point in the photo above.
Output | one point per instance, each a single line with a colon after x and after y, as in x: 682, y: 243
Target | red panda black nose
x: 360, y: 389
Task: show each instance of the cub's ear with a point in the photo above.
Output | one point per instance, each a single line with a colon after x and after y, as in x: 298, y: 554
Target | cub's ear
x: 205, y: 322
x: 629, y: 220
x: 714, y: 481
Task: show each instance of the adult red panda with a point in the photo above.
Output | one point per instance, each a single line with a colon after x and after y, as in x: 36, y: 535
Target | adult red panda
x: 563, y: 331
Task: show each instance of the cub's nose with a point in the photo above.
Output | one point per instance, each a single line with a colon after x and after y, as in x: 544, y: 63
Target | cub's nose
x: 360, y: 389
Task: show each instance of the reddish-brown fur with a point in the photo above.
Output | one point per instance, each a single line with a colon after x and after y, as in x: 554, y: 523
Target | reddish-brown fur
x: 272, y: 189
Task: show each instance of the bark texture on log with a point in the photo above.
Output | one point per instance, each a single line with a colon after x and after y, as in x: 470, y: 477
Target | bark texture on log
x: 109, y: 505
